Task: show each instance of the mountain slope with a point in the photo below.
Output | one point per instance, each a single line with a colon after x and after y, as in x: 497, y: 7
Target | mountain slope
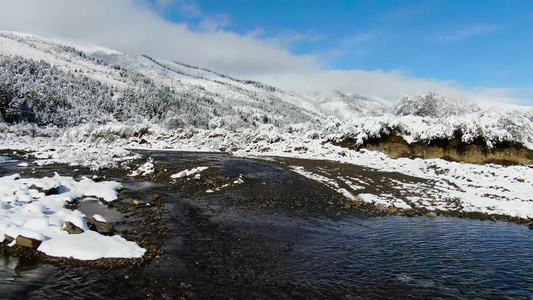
x: 111, y: 86
x: 85, y: 105
x: 50, y: 82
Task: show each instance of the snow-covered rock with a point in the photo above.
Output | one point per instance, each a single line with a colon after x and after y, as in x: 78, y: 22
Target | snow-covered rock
x: 40, y: 223
x: 146, y: 169
x: 187, y: 173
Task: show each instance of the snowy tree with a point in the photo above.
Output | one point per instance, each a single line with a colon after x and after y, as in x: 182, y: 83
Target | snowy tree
x: 433, y: 105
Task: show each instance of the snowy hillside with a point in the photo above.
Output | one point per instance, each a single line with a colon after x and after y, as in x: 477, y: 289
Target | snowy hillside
x: 45, y: 82
x: 85, y: 105
x: 67, y: 85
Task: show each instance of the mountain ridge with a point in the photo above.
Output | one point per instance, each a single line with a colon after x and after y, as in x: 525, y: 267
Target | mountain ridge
x: 49, y: 83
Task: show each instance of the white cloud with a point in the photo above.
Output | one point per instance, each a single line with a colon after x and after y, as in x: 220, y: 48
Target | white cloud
x: 289, y: 37
x: 358, y: 39
x: 507, y: 95
x: 190, y: 9
x: 131, y: 26
x: 467, y: 32
x: 256, y: 33
x: 215, y: 23
x: 385, y: 85
x: 134, y: 26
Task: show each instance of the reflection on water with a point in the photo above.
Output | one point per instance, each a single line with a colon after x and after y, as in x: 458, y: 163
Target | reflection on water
x: 433, y: 257
x: 16, y: 275
x: 91, y: 206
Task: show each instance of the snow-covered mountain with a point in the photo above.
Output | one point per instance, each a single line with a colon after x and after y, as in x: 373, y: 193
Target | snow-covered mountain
x: 87, y: 105
x: 100, y: 84
x: 51, y: 82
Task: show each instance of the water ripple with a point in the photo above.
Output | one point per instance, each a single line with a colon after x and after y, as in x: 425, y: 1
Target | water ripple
x: 419, y: 257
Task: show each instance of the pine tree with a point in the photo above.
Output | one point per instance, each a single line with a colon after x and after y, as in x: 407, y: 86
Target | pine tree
x: 13, y: 111
x: 3, y: 104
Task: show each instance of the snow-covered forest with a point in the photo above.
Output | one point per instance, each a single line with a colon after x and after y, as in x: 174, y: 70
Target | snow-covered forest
x: 52, y: 88
x: 36, y: 91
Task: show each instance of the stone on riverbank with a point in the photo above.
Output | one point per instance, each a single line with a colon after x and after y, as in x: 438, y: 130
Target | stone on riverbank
x: 28, y: 242
x: 72, y: 229
x: 75, y: 224
x: 101, y: 226
x: 8, y: 238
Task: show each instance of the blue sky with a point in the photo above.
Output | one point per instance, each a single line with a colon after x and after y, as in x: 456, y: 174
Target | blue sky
x: 480, y: 50
x: 478, y: 43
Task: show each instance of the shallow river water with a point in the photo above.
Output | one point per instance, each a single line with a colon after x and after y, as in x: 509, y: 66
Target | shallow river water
x: 246, y: 244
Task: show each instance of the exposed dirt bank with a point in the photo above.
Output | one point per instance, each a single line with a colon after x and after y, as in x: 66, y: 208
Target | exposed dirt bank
x: 476, y: 152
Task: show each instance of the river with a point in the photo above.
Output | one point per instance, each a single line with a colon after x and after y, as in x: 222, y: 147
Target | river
x: 279, y: 236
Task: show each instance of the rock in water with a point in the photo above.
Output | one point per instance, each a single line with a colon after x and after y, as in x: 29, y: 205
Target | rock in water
x: 101, y: 227
x: 72, y: 229
x: 431, y: 214
x: 28, y: 242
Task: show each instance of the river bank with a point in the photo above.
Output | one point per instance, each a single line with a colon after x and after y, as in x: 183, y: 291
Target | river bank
x: 280, y: 235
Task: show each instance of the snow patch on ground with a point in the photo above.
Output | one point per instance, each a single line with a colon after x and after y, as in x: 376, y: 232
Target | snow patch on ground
x: 146, y: 169
x: 490, y: 189
x: 28, y: 212
x: 187, y: 172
